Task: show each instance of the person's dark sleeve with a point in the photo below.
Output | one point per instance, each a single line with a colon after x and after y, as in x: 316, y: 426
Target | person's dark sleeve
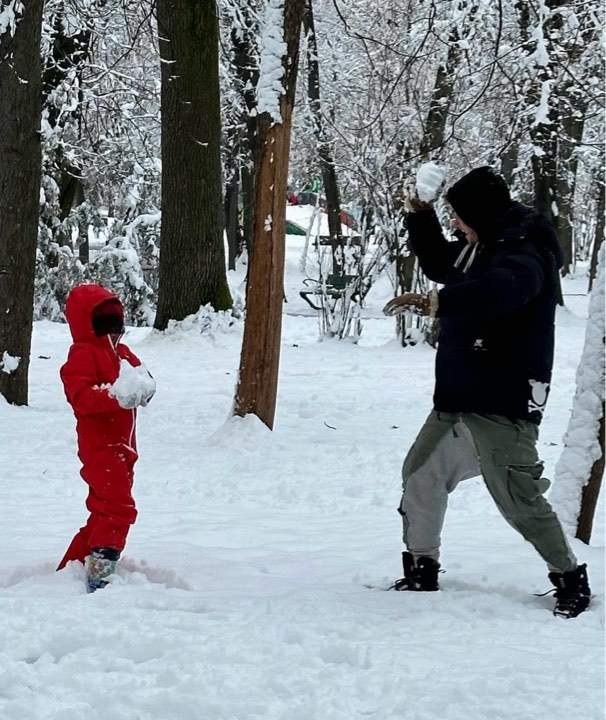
x: 505, y: 287
x: 436, y: 255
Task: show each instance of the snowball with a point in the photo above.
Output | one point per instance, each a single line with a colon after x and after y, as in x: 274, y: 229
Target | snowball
x: 430, y: 178
x: 8, y: 363
x: 134, y: 386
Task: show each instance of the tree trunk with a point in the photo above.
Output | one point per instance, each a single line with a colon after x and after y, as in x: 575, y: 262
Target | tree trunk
x: 259, y: 363
x: 556, y: 103
x: 327, y: 164
x: 248, y: 205
x: 69, y: 55
x: 232, y: 228
x: 542, y: 130
x: 435, y: 125
x: 247, y: 72
x: 591, y: 491
x: 509, y: 162
x: 573, y: 109
x: 20, y: 171
x: 599, y: 232
x: 192, y: 256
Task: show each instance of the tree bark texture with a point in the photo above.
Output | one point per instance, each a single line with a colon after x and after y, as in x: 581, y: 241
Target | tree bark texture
x: 509, y: 162
x: 441, y: 98
x: 557, y: 136
x: 20, y: 171
x: 572, y: 123
x: 247, y: 72
x: 192, y: 256
x: 259, y: 363
x: 68, y: 53
x: 591, y: 491
x: 599, y: 232
x: 232, y: 227
x: 325, y: 155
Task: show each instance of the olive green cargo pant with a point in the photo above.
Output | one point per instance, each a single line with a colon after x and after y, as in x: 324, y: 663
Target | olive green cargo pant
x: 453, y: 447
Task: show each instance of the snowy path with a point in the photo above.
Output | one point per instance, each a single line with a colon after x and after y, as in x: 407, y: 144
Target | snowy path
x: 242, y: 596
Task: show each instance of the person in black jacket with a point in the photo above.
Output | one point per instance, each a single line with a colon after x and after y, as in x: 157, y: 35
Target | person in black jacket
x: 496, y: 311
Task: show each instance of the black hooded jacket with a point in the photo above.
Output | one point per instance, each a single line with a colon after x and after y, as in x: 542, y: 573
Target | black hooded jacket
x: 497, y: 306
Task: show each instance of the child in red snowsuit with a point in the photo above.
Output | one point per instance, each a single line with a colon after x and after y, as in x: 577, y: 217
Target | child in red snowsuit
x: 105, y: 426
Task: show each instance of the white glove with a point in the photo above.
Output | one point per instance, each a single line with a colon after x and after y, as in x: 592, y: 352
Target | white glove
x: 135, y: 386
x: 150, y: 391
x: 129, y: 402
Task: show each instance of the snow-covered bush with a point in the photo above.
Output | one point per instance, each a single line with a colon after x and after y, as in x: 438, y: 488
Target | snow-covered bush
x: 57, y: 272
x: 207, y: 322
x: 117, y: 266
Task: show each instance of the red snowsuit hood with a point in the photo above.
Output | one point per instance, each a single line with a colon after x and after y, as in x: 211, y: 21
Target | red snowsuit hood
x: 79, y: 308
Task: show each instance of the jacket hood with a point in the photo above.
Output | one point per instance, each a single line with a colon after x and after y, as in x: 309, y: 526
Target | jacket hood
x: 480, y: 199
x: 79, y: 308
x: 522, y: 223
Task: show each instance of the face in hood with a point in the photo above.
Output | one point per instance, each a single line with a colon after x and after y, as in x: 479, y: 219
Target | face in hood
x: 79, y: 308
x: 481, y: 199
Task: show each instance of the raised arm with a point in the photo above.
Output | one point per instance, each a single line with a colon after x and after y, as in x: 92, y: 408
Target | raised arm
x: 436, y: 255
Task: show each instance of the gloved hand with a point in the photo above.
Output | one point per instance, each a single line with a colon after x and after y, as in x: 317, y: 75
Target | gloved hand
x: 410, y: 199
x: 425, y: 305
x: 129, y: 402
x: 134, y: 386
x: 149, y: 390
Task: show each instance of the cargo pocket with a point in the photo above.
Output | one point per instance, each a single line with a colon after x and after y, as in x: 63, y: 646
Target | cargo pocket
x: 525, y: 482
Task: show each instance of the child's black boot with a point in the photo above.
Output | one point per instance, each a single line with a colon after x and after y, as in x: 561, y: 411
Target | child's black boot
x: 99, y: 566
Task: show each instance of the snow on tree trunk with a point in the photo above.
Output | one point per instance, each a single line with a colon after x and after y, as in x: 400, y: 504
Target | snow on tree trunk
x: 579, y: 470
x: 20, y: 170
x: 260, y: 358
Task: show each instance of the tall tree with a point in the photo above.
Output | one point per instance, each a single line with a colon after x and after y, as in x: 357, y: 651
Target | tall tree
x: 259, y: 362
x: 20, y: 170
x: 246, y: 63
x: 558, y: 96
x: 62, y: 94
x: 599, y: 231
x: 325, y: 154
x: 192, y: 256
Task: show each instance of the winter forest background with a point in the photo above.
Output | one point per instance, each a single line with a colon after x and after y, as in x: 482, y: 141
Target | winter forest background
x: 382, y: 86
x: 236, y: 172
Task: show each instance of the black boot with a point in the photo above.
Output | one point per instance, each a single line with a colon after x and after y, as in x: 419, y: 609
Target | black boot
x: 419, y: 575
x: 572, y: 592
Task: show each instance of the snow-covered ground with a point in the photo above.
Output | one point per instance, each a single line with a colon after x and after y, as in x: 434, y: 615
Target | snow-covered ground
x: 242, y: 595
